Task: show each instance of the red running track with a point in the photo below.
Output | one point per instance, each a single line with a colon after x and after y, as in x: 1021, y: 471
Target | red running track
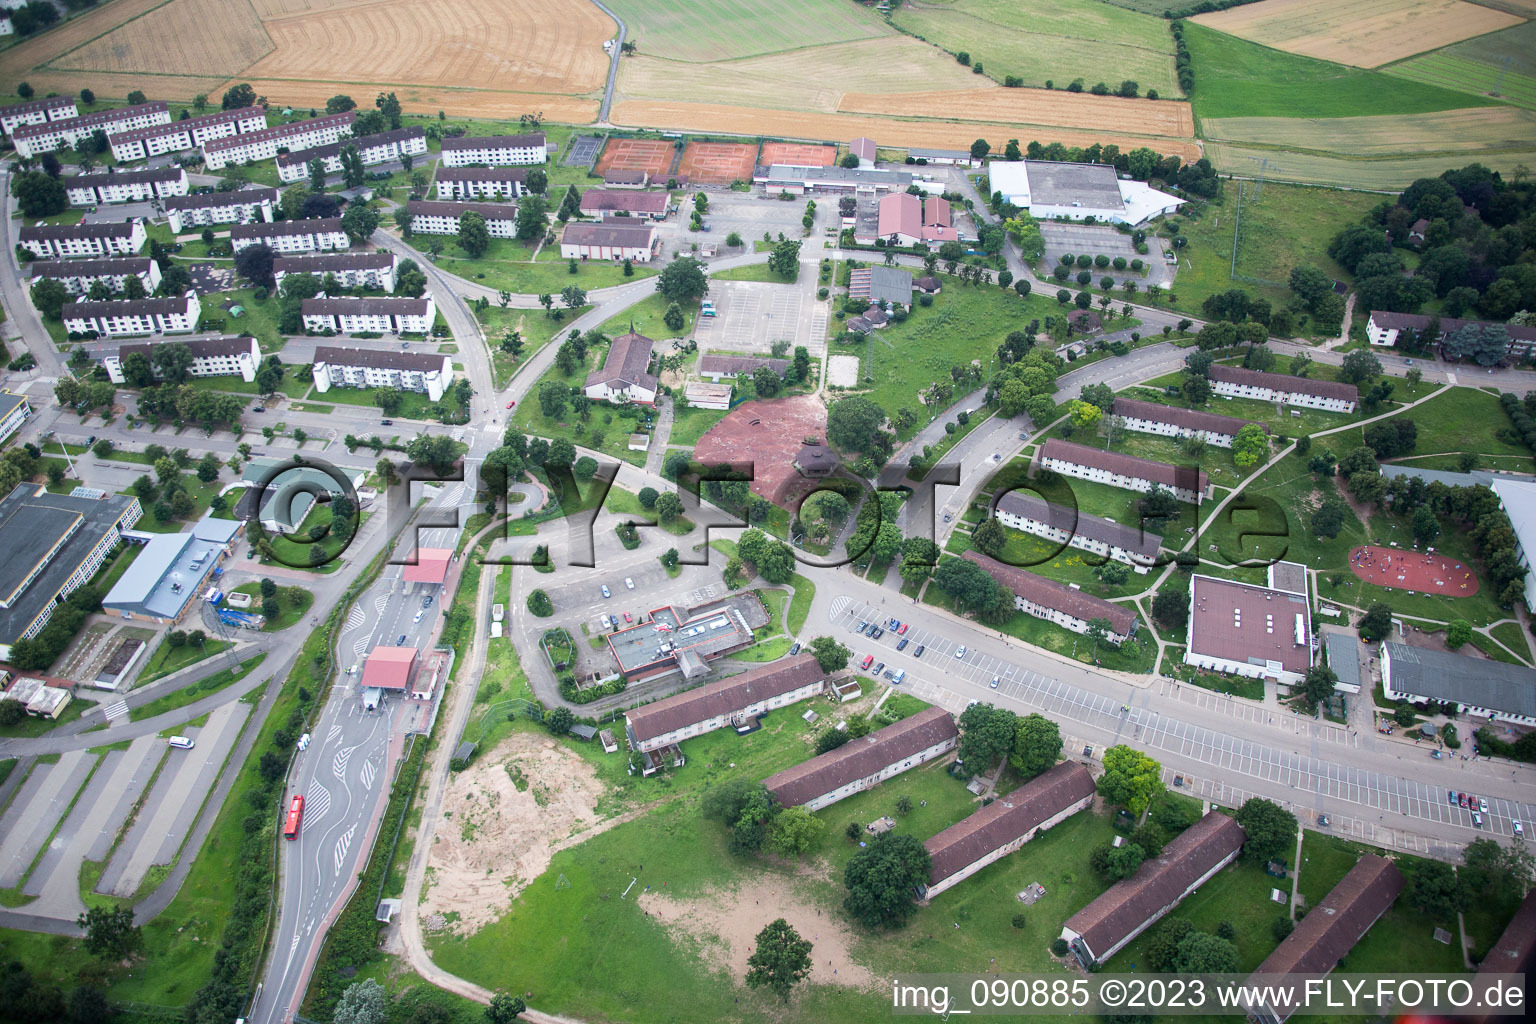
x: 1413, y: 570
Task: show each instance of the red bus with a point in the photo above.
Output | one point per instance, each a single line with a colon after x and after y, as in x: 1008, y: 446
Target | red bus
x: 295, y: 813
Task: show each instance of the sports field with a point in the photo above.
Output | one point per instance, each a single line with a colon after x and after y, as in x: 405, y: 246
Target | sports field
x: 1056, y: 40
x: 799, y: 154
x: 653, y: 156
x: 1365, y: 33
x: 689, y: 30
x: 718, y: 163
x: 1501, y: 64
x: 1460, y: 131
x: 1326, y: 169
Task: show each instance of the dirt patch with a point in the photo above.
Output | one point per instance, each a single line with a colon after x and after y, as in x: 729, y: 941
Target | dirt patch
x: 503, y: 818
x: 727, y: 922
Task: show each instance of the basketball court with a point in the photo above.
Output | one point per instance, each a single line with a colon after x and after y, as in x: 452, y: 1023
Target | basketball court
x: 653, y: 156
x: 798, y: 154
x: 719, y: 163
x: 1413, y: 570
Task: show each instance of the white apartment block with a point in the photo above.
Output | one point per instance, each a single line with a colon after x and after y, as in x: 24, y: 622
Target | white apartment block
x: 181, y: 136
x: 1062, y: 525
x: 71, y: 241
x: 322, y: 234
x: 37, y: 139
x: 77, y: 276
x: 1171, y: 421
x: 434, y: 218
x: 253, y: 203
x: 116, y: 318
x: 1328, y: 395
x: 495, y: 151
x: 54, y: 108
x: 1125, y: 471
x: 351, y: 269
x: 211, y: 357
x: 6, y: 28
x: 125, y: 186
x: 336, y: 366
x: 264, y: 144
x: 728, y: 702
x: 374, y: 149
x: 351, y: 315
x: 1057, y: 602
x: 481, y: 182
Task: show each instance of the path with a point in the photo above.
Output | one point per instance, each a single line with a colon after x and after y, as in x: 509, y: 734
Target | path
x: 613, y: 63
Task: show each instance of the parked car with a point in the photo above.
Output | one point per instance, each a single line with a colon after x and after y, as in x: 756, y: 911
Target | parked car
x: 1435, y: 754
x: 920, y: 649
x: 877, y: 632
x: 1477, y: 820
x: 960, y: 653
x: 995, y: 681
x: 1323, y: 821
x: 862, y: 627
x: 400, y: 642
x: 258, y: 408
x: 606, y: 591
x: 899, y: 676
x: 1450, y: 795
x: 628, y: 619
x: 879, y: 668
x: 1482, y: 804
x: 893, y: 622
x: 901, y: 644
x: 902, y: 629
x: 792, y: 651
x: 1519, y: 828
x: 869, y: 659
x: 630, y: 583
x: 889, y: 674
x: 1461, y: 799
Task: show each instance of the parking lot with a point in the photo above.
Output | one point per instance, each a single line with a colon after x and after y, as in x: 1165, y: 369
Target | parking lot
x: 752, y: 315
x: 1095, y: 240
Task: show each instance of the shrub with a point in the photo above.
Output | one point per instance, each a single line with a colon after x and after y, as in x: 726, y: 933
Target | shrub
x: 1018, y: 920
x: 1059, y: 947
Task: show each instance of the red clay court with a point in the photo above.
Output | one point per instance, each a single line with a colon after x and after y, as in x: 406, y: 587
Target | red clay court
x: 798, y: 154
x: 654, y: 156
x: 1413, y: 570
x: 719, y: 163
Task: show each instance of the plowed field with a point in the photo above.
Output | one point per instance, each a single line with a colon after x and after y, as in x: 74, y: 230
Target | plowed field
x: 1032, y: 106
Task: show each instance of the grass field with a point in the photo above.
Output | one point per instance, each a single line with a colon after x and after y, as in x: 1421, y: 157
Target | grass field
x: 1031, y: 106
x: 1447, y: 131
x: 1498, y: 64
x: 535, y: 328
x: 1387, y: 174
x: 673, y: 29
x: 1366, y: 33
x: 509, y: 265
x: 1049, y: 39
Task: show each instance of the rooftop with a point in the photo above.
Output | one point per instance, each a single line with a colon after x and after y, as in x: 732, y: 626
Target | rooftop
x: 431, y: 566
x: 1448, y: 325
x: 628, y: 362
x: 1057, y: 596
x: 85, y: 308
x: 361, y: 142
x: 609, y: 232
x: 1050, y: 183
x: 1007, y: 818
x: 167, y: 574
x: 1284, y: 383
x: 436, y: 208
x: 1185, y: 419
x: 381, y: 359
x: 740, y: 364
x: 531, y: 140
x: 1331, y: 929
x: 214, y: 200
x: 1477, y: 682
x: 352, y: 305
x: 599, y: 199
x: 156, y: 130
x: 1513, y: 953
x: 389, y: 668
x: 227, y: 345
x: 1250, y: 624
x: 109, y: 229
x: 1476, y: 478
x: 666, y: 636
x: 795, y: 173
x: 113, y: 267
x: 861, y: 757
x: 1181, y: 477
x: 1080, y: 524
x: 281, y: 131
x: 724, y: 697
x: 1288, y: 576
x: 332, y: 262
x: 115, y: 177
x: 882, y: 284
x: 481, y: 173
x: 317, y: 225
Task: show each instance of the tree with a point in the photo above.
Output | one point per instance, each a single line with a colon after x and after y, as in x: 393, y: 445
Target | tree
x: 254, y: 263
x: 1329, y: 517
x: 1458, y: 633
x: 854, y: 423
x: 1130, y: 778
x: 793, y: 831
x: 1433, y: 888
x: 49, y: 296
x: 86, y: 1003
x: 540, y: 604
x: 238, y: 97
x: 782, y: 958
x: 553, y: 396
x: 1496, y: 873
x: 989, y: 536
x: 389, y: 106
x: 1250, y: 446
x: 1376, y: 624
x: 668, y: 506
x: 559, y: 721
x: 474, y: 237
x: 39, y: 194
x: 504, y: 1009
x: 648, y: 496
x: 110, y: 933
x: 1196, y: 389
x: 1117, y: 862
x: 987, y: 734
x: 1203, y: 953
x: 208, y: 468
x: 980, y: 148
x: 1425, y: 526
x: 1163, y: 947
x: 362, y: 1003
x: 1319, y: 683
x: 360, y: 221
x: 674, y: 318
x: 726, y: 801
x: 683, y: 280
x: 1036, y: 745
x: 1085, y: 415
x: 1271, y: 830
x: 532, y: 218
x: 830, y: 655
x: 881, y: 877
x: 1359, y: 366
x: 784, y: 260
x: 339, y: 104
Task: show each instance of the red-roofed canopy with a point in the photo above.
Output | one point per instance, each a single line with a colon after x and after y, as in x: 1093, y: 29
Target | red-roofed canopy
x: 390, y: 668
x: 431, y: 566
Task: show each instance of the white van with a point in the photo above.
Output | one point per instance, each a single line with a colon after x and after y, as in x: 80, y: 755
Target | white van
x: 181, y: 743
x: 899, y: 676
x: 304, y: 742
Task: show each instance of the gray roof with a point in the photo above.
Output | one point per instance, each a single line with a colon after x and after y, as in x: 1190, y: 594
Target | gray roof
x: 740, y: 364
x: 10, y: 402
x: 789, y: 173
x: 349, y: 305
x: 1519, y: 500
x: 1476, y: 478
x: 316, y: 225
x: 481, y: 174
x: 98, y: 178
x: 333, y: 262
x: 1133, y: 466
x: 435, y: 208
x: 202, y: 121
x: 167, y: 574
x: 361, y: 142
x: 86, y: 308
x: 109, y: 229
x: 1475, y: 682
x: 495, y: 141
x: 629, y: 357
x: 1062, y: 184
x: 723, y: 698
x: 887, y: 284
x: 288, y: 494
x: 282, y: 131
x: 1513, y: 952
x: 608, y: 232
x: 113, y: 267
x: 224, y: 345
x: 1343, y: 657
x: 379, y: 358
x: 218, y: 200
x: 1080, y: 524
x: 944, y: 154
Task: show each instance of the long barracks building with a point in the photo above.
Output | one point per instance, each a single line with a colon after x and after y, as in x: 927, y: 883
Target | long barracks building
x: 371, y: 149
x: 729, y: 702
x: 264, y: 144
x: 865, y: 761
x: 36, y: 139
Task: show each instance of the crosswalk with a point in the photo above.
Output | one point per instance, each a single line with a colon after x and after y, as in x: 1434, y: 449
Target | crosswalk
x: 117, y: 709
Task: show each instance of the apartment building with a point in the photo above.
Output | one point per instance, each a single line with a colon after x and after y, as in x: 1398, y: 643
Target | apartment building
x: 1328, y: 395
x: 338, y: 366
x: 351, y: 269
x: 285, y: 236
x: 865, y: 761
x: 115, y: 318
x: 1119, y: 470
x: 182, y: 136
x: 1172, y: 421
x: 429, y: 217
x: 113, y: 186
x: 495, y: 150
x: 352, y: 315
x: 373, y: 149
x: 71, y: 241
x: 252, y: 203
x: 481, y: 182
x: 264, y: 144
x: 77, y: 276
x: 211, y: 357
x: 1062, y: 525
x: 34, y: 140
x: 1057, y: 602
x: 54, y: 108
x: 729, y: 702
x: 1385, y: 328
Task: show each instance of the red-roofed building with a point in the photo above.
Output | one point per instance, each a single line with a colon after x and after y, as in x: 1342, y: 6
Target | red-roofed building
x: 431, y: 566
x: 913, y: 220
x: 390, y: 668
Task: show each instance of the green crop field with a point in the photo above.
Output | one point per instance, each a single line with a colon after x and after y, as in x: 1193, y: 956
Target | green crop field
x: 1050, y: 39
x: 727, y: 29
x: 1498, y: 64
x: 1236, y: 78
x: 1462, y: 131
x: 1387, y: 174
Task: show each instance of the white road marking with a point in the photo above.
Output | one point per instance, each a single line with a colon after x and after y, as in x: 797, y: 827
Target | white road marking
x: 117, y: 709
x: 318, y: 804
x: 355, y: 618
x: 367, y: 774
x: 339, y: 762
x: 341, y: 847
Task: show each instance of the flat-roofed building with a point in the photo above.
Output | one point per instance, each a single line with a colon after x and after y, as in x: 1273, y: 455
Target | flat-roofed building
x: 14, y: 411
x: 264, y: 143
x: 1051, y: 189
x: 1029, y: 514
x: 429, y: 217
x: 481, y: 182
x: 51, y: 544
x: 887, y: 285
x: 865, y: 761
x: 708, y: 396
x: 182, y: 136
x: 352, y: 315
x: 321, y: 234
x: 729, y: 702
x: 863, y: 181
x: 1518, y: 500
x: 169, y: 574
x: 350, y: 269
x: 247, y: 205
x: 338, y: 366
x: 718, y: 367
x: 495, y: 150
x: 72, y: 241
x: 1240, y: 382
x: 105, y: 187
x: 1119, y: 470
x: 1477, y: 686
x: 1345, y: 654
x: 679, y: 641
x: 604, y: 202
x: 115, y: 318
x: 1006, y: 824
x: 1328, y: 932
x: 36, y: 139
x: 51, y: 108
x: 1056, y: 602
x: 625, y: 374
x: 944, y: 157
x: 77, y: 276
x: 371, y: 149
x: 1249, y: 630
x: 1131, y: 905
x: 1172, y: 421
x: 228, y: 356
x: 430, y: 567
x: 613, y: 239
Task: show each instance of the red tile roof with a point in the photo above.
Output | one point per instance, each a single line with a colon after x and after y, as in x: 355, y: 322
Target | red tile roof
x: 723, y: 698
x: 1332, y: 928
x: 1182, y: 477
x: 1007, y: 818
x: 1057, y: 596
x: 431, y: 566
x: 861, y: 757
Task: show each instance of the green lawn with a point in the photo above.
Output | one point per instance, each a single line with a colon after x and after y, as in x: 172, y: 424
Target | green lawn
x: 507, y: 265
x: 414, y: 405
x: 1238, y: 894
x: 33, y: 726
x: 168, y: 659
x: 201, y: 494
x: 800, y: 605
x: 606, y: 429
x: 752, y: 272
x: 1513, y: 637
x: 688, y: 425
x: 1463, y: 419
x: 646, y: 316
x: 291, y: 613
x: 195, y: 691
x: 296, y: 555
x: 259, y: 318
x: 535, y: 327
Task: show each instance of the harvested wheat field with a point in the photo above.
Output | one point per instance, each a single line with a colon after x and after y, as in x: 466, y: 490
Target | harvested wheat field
x: 278, y: 8
x: 1364, y: 33
x: 1033, y: 106
x: 813, y: 78
x: 1447, y: 131
x: 890, y: 132
x: 503, y: 819
x: 198, y: 37
x: 1387, y: 173
x: 424, y: 99
x: 43, y: 47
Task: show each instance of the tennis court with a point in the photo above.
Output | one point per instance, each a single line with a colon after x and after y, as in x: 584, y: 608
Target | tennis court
x: 654, y: 156
x: 718, y: 163
x: 583, y: 150
x: 798, y: 154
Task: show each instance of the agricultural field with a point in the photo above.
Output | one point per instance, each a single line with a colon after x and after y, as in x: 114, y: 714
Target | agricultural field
x: 1055, y: 40
x: 680, y: 30
x: 199, y: 37
x: 1032, y: 106
x: 1450, y: 131
x: 1364, y: 33
x: 1391, y: 173
x: 1500, y: 64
